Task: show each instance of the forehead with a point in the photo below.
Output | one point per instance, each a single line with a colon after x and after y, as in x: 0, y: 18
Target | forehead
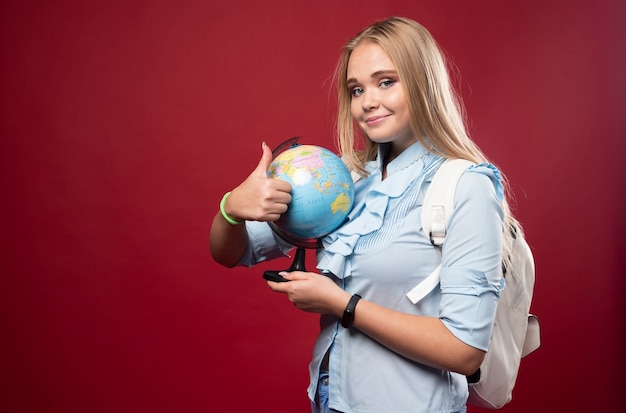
x: 366, y: 59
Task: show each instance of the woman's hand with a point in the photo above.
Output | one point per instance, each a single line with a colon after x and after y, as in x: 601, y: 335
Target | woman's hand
x: 259, y: 198
x: 312, y: 292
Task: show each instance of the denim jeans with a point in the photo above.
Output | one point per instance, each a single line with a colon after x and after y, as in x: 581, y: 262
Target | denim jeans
x: 321, y: 399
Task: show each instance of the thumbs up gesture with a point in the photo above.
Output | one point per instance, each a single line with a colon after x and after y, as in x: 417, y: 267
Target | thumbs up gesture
x: 259, y: 198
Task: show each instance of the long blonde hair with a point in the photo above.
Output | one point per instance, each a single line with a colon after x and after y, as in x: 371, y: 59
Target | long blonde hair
x: 437, y: 117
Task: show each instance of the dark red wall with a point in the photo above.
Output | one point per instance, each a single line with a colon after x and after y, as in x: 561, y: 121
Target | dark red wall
x: 122, y: 123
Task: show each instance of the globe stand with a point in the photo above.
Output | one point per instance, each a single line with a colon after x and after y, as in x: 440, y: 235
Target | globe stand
x: 296, y: 265
x: 298, y: 259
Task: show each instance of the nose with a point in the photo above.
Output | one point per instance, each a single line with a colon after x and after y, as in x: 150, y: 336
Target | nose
x: 370, y: 99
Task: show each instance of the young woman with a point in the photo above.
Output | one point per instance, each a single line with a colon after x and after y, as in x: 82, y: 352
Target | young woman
x: 377, y: 351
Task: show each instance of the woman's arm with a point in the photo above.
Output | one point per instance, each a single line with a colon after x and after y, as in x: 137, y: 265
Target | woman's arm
x: 423, y: 339
x: 258, y: 198
x: 228, y: 242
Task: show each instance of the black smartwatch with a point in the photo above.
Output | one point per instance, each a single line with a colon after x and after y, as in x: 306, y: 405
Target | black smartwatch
x: 348, y: 313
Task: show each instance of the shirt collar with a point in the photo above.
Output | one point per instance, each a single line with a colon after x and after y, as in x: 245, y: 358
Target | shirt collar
x: 407, y: 157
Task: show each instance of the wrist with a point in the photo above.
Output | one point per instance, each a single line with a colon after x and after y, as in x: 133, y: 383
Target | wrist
x: 348, y: 313
x: 230, y: 219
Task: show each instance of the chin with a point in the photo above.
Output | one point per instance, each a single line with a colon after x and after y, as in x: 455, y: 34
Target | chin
x: 376, y: 138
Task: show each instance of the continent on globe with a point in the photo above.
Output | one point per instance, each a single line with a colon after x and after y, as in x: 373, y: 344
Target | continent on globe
x: 322, y: 191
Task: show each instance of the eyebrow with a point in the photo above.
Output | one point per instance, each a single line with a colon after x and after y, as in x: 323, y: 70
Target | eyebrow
x: 379, y: 73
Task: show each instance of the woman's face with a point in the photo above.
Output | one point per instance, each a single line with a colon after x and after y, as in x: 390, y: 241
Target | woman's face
x: 378, y: 104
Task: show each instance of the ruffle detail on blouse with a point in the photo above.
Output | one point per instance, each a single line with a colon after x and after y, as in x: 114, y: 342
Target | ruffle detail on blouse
x: 492, y: 173
x: 410, y: 168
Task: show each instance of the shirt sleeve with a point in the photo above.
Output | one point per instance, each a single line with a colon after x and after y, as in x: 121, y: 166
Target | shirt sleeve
x: 263, y: 244
x: 471, y: 273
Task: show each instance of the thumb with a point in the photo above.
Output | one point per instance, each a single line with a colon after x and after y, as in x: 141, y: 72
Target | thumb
x: 266, y: 160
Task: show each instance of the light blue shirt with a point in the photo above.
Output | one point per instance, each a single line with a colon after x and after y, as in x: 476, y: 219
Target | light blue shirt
x: 381, y: 253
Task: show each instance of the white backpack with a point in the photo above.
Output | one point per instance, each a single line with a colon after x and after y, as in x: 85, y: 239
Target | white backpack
x: 516, y: 332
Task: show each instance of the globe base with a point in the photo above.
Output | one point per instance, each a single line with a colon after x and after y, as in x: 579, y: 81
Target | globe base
x: 296, y: 265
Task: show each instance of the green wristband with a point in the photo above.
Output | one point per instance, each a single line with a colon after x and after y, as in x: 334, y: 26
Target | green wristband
x: 223, y: 211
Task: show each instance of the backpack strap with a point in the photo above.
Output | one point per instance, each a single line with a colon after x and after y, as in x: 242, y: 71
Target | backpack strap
x: 439, y: 200
x: 436, y: 211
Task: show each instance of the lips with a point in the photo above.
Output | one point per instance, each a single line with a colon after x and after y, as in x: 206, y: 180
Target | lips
x: 375, y: 120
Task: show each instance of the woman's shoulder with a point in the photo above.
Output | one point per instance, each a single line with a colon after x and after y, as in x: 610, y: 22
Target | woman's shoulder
x: 481, y: 178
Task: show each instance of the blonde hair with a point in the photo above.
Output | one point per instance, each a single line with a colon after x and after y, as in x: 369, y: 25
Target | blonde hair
x: 437, y: 118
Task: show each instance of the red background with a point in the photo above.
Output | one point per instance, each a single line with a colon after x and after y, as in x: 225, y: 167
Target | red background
x: 122, y: 124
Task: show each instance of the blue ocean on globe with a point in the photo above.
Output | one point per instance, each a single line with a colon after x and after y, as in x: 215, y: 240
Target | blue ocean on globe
x: 322, y: 191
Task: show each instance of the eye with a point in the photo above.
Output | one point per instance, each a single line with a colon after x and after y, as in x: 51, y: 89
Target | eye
x: 356, y: 91
x: 387, y: 83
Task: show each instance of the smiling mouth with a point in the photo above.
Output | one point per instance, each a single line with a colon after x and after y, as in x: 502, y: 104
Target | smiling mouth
x: 375, y: 120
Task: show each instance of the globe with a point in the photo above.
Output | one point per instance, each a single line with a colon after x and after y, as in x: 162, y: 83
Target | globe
x: 322, y: 192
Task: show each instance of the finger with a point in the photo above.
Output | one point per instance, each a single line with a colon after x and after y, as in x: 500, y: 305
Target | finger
x: 266, y: 160
x: 278, y: 287
x: 286, y: 275
x: 294, y: 275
